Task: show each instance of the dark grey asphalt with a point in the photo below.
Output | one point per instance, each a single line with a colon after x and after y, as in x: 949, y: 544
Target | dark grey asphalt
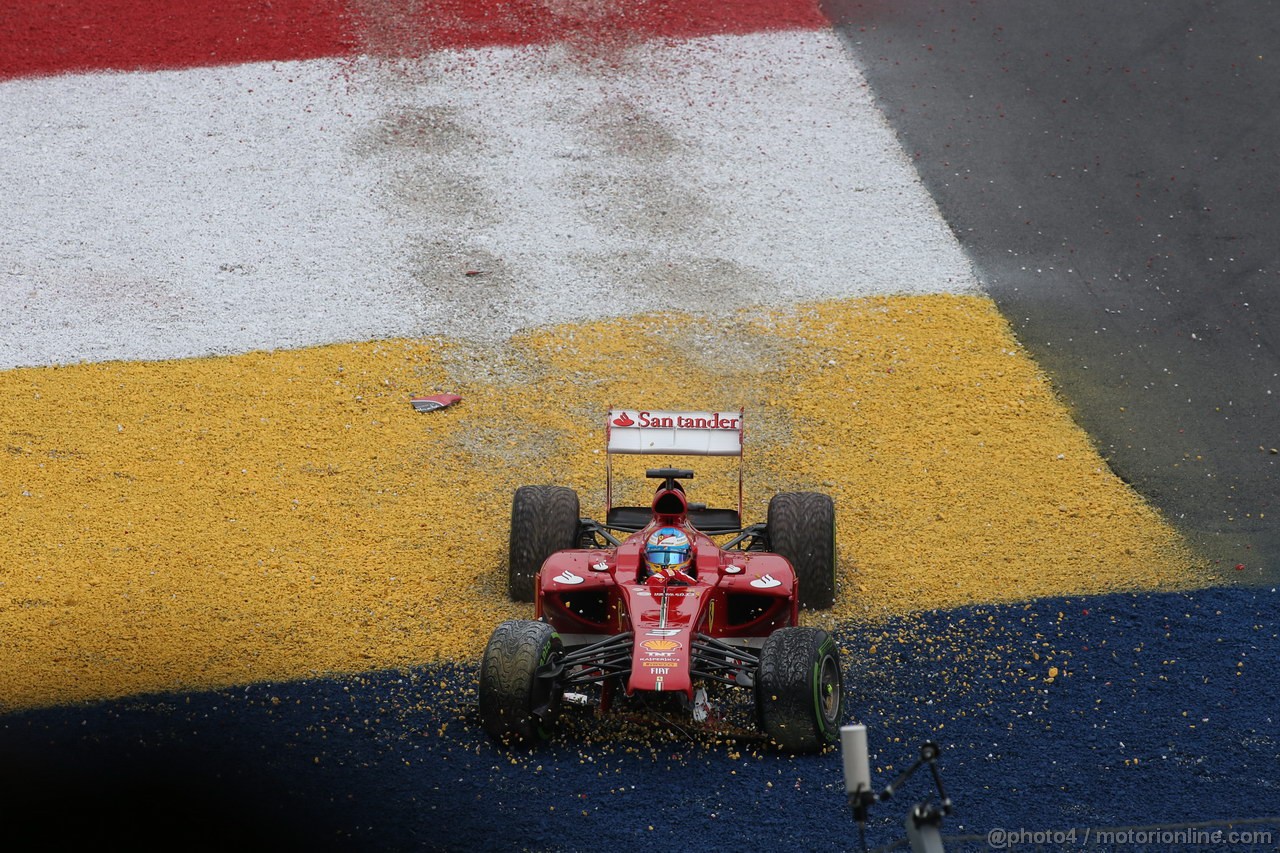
x: 1113, y: 170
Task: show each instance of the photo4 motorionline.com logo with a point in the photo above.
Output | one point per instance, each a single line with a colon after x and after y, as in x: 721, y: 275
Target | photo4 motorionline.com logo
x: 1008, y: 839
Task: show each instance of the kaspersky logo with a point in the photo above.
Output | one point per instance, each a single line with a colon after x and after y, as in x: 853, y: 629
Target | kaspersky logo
x: 674, y: 420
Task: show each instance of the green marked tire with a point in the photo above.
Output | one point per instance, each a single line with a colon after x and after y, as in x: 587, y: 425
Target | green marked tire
x: 799, y: 689
x: 544, y: 519
x: 802, y: 528
x: 519, y: 697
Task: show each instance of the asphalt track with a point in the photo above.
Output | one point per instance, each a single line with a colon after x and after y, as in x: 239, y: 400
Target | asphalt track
x: 1113, y: 172
x: 1060, y: 713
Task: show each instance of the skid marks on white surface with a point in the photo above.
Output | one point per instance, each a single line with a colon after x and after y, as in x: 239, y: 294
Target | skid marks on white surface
x: 469, y: 193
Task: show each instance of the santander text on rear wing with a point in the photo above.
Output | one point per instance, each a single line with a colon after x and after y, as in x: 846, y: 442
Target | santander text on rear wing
x: 670, y: 433
x: 675, y: 433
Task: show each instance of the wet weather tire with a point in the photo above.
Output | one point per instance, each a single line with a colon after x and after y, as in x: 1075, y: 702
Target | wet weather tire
x: 519, y: 698
x: 544, y: 519
x: 802, y: 528
x: 799, y: 689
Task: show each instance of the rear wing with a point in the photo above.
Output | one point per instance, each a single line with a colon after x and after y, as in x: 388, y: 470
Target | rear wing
x: 635, y: 431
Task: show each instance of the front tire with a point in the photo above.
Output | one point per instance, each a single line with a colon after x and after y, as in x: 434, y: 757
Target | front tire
x: 799, y: 689
x: 519, y: 697
x: 802, y: 528
x: 544, y: 519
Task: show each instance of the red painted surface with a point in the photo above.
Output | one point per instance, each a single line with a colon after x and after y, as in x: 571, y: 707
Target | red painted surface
x: 40, y: 37
x: 53, y: 36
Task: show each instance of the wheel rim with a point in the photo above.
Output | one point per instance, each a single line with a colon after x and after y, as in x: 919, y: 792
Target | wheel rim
x: 829, y: 689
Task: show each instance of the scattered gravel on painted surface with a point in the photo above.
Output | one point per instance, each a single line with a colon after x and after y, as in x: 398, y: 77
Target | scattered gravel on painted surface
x: 274, y: 515
x: 1162, y: 711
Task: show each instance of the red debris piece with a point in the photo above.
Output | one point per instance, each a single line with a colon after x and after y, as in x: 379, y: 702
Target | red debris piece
x: 435, y: 401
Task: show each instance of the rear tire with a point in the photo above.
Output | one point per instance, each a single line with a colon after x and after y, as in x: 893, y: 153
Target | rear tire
x: 799, y: 689
x: 544, y: 519
x: 519, y: 703
x: 802, y: 528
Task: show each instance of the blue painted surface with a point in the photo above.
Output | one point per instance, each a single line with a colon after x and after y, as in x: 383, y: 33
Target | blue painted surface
x: 1165, y: 711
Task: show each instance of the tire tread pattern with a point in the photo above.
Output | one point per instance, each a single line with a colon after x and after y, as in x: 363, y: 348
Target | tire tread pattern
x: 544, y: 519
x: 802, y: 528
x: 509, y: 689
x: 787, y: 701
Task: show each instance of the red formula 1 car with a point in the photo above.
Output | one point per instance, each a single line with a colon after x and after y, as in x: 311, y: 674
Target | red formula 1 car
x: 647, y: 605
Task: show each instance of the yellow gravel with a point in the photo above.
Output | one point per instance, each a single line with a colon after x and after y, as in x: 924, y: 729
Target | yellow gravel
x: 200, y: 523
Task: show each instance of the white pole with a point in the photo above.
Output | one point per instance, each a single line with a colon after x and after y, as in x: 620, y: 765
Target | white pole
x: 857, y: 764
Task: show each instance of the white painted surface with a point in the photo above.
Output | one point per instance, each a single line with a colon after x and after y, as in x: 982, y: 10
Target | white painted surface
x: 219, y: 210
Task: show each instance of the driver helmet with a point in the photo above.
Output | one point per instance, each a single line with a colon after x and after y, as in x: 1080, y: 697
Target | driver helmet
x: 668, y: 551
